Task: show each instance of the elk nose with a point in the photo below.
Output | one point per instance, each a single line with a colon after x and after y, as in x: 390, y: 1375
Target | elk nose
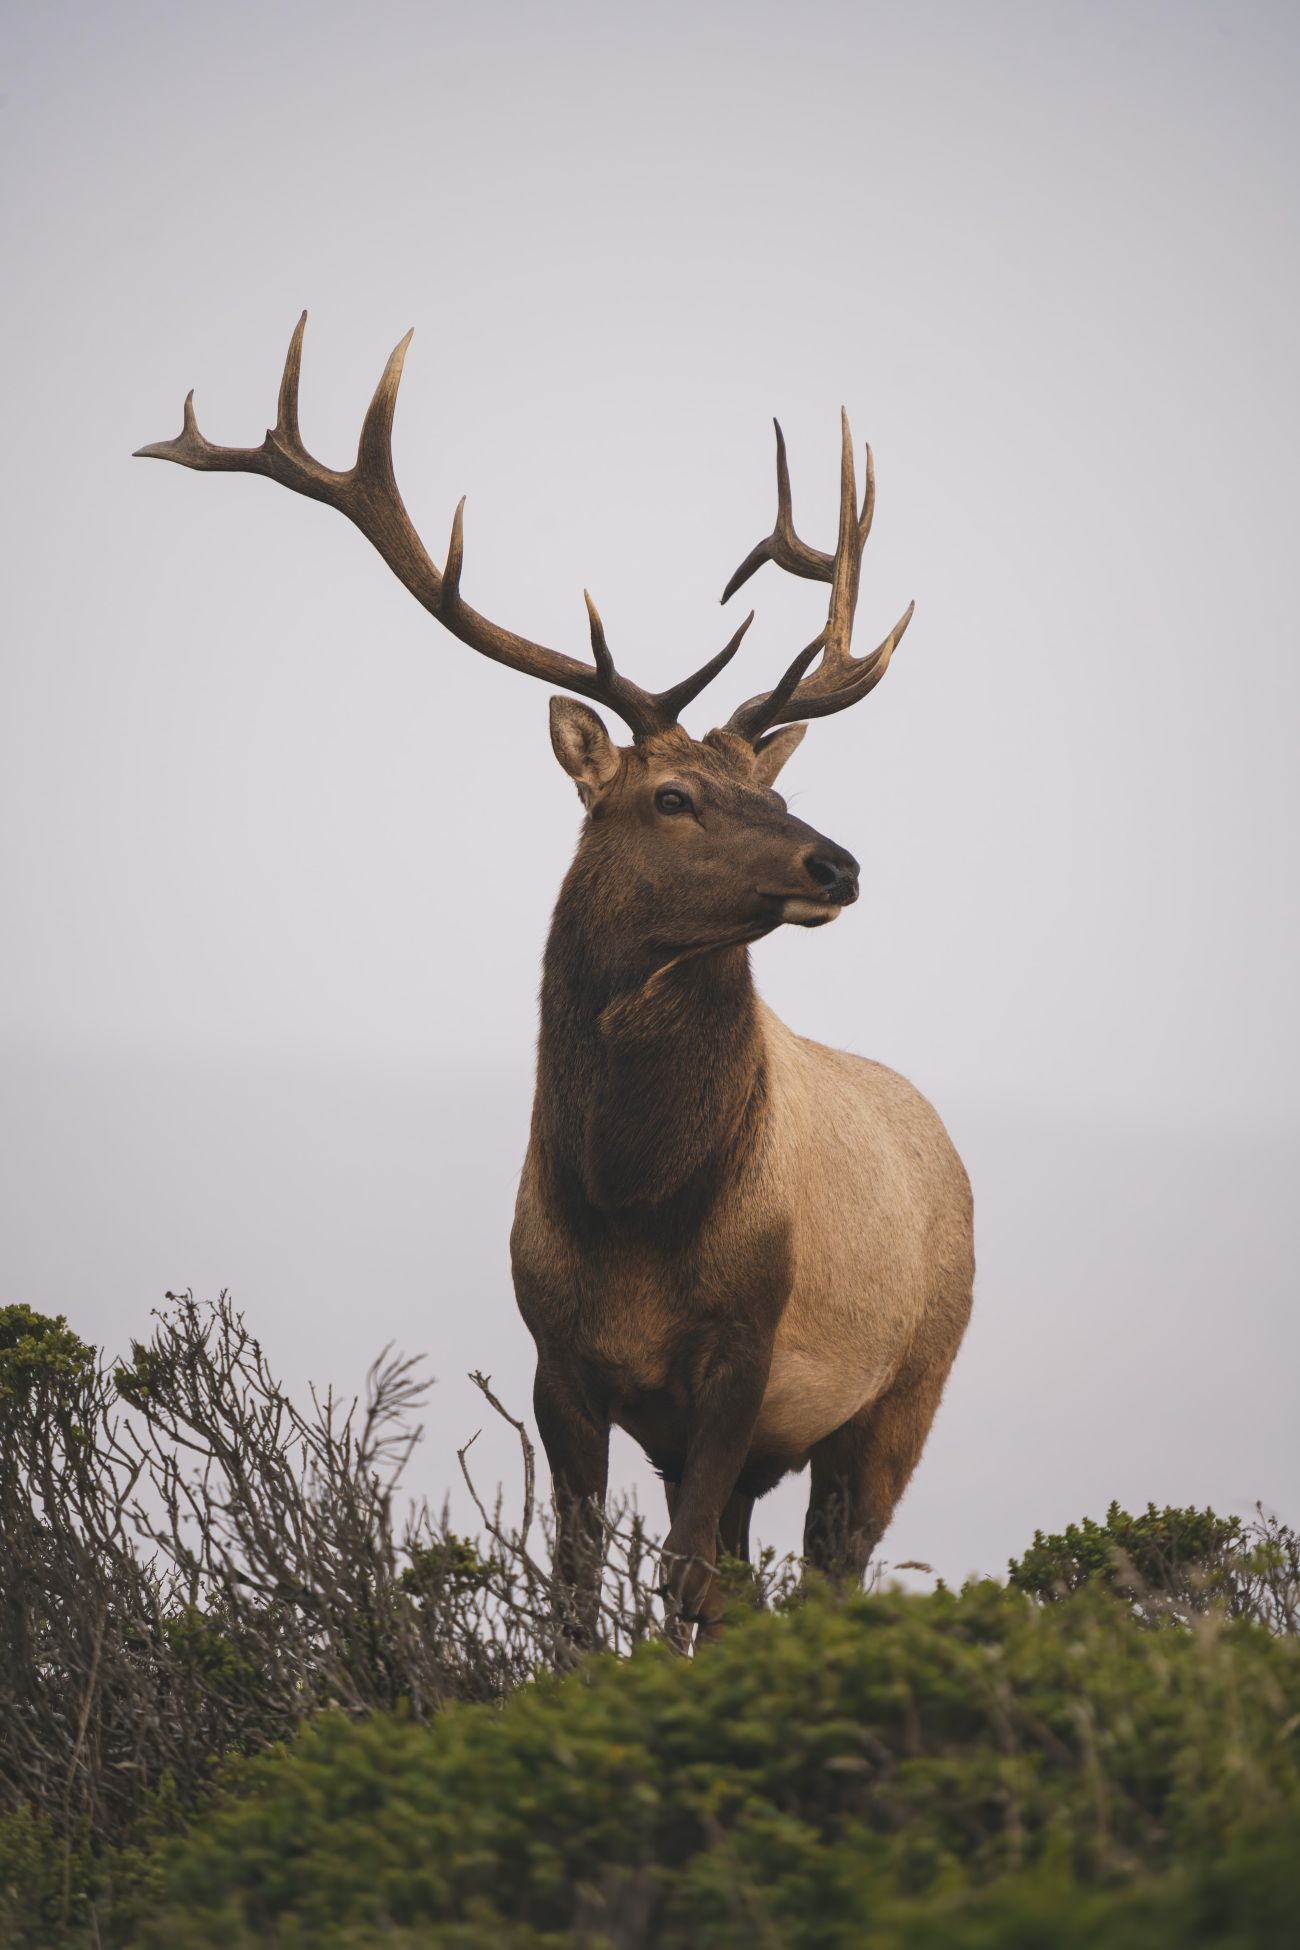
x: 835, y: 872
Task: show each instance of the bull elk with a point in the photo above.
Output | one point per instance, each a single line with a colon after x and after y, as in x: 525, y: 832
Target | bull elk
x: 749, y: 1251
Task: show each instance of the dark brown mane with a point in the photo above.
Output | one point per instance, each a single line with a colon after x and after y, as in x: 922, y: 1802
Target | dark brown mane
x: 643, y: 1084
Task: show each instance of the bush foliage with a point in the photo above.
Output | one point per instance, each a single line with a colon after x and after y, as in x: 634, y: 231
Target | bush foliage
x: 1170, y: 1564
x: 891, y: 1769
x: 241, y: 1707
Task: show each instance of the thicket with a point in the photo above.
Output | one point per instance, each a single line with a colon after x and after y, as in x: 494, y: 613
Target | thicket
x: 246, y: 1699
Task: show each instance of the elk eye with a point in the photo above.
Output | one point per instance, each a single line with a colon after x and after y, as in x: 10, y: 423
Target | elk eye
x: 671, y: 799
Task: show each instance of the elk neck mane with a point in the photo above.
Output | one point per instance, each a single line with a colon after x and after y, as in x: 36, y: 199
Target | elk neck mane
x: 651, y: 1066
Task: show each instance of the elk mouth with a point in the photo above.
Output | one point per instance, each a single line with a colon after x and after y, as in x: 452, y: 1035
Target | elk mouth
x: 800, y: 912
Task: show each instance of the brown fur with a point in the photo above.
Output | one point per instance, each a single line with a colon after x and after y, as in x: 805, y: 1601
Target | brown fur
x: 747, y: 1250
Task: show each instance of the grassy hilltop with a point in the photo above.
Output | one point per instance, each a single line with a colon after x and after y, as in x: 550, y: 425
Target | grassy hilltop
x: 251, y: 1714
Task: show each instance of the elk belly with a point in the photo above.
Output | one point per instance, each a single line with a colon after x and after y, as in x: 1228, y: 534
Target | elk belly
x: 810, y: 1395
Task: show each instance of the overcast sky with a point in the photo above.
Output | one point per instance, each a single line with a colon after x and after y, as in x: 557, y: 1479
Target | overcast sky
x: 278, y: 855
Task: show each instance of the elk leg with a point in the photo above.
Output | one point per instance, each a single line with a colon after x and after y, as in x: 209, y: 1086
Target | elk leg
x: 575, y: 1436
x: 727, y: 1397
x: 733, y: 1530
x: 860, y: 1472
x: 732, y: 1541
x: 733, y: 1525
x: 678, y: 1630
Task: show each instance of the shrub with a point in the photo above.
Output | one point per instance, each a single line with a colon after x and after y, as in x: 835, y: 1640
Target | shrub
x: 906, y: 1770
x: 239, y: 1704
x: 1171, y: 1563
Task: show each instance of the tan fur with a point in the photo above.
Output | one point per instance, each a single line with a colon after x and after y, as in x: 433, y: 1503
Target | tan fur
x: 883, y: 1255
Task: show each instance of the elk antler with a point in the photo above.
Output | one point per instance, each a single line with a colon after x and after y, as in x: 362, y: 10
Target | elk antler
x: 368, y: 495
x: 840, y: 678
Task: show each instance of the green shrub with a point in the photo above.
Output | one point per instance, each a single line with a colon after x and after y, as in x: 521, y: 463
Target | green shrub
x: 40, y: 1351
x: 1171, y: 1563
x: 956, y: 1769
x: 45, y: 1877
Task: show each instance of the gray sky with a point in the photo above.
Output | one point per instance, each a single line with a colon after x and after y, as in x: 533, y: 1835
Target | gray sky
x: 278, y: 855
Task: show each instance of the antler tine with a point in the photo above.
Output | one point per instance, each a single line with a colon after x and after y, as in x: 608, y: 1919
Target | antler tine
x: 865, y: 673
x: 667, y: 706
x: 868, y: 500
x: 286, y: 412
x: 375, y: 447
x: 782, y: 546
x: 840, y: 679
x: 367, y: 493
x: 599, y: 646
x: 455, y: 560
x: 675, y: 701
x: 847, y: 569
x: 752, y: 719
x: 281, y: 456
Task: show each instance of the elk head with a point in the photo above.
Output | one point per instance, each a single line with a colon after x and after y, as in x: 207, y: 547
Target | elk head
x: 702, y: 848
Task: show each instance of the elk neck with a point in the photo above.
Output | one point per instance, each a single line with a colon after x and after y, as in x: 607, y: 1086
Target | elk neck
x: 651, y: 1067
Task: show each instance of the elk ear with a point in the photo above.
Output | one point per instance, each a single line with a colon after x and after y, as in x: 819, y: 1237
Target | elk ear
x: 583, y: 746
x: 770, y: 753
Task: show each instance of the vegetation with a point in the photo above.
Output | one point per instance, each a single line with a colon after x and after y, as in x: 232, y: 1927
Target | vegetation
x: 239, y: 1706
x: 1170, y: 1565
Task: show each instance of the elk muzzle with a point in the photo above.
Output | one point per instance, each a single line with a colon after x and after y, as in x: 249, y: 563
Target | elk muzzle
x: 833, y: 873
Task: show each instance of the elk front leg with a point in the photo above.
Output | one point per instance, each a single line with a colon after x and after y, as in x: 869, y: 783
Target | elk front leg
x: 575, y: 1435
x: 729, y: 1383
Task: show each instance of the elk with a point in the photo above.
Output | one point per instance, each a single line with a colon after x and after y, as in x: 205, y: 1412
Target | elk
x: 751, y: 1252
